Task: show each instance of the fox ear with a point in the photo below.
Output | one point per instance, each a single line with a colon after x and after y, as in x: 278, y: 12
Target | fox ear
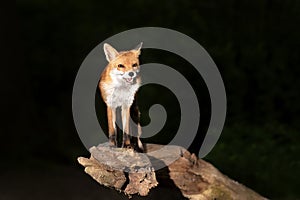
x: 138, y: 48
x: 110, y: 52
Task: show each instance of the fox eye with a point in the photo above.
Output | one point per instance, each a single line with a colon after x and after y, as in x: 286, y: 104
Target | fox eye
x: 135, y: 65
x: 121, y: 66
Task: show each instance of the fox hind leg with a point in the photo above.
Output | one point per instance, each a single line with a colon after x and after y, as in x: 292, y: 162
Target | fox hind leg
x: 139, y: 143
x: 136, y: 126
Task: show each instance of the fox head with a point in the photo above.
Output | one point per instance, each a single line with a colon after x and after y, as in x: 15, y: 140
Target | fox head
x: 124, y: 65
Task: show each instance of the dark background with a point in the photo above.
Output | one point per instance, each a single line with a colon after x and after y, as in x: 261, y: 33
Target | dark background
x: 255, y: 44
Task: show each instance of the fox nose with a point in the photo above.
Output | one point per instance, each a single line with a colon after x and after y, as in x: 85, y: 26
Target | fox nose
x: 131, y: 74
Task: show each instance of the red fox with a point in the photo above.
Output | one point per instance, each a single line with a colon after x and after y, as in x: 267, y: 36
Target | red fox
x: 118, y: 85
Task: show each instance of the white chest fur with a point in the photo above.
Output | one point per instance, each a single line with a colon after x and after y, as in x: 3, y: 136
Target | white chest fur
x: 120, y: 94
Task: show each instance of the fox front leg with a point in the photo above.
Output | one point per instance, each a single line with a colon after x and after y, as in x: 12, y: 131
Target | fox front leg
x: 125, y: 123
x: 111, y: 117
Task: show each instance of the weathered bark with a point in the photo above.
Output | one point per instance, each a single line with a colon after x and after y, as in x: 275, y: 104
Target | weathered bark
x: 122, y: 169
x: 134, y: 173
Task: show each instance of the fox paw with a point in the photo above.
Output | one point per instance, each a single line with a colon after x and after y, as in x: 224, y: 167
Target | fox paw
x: 127, y: 145
x: 112, y: 141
